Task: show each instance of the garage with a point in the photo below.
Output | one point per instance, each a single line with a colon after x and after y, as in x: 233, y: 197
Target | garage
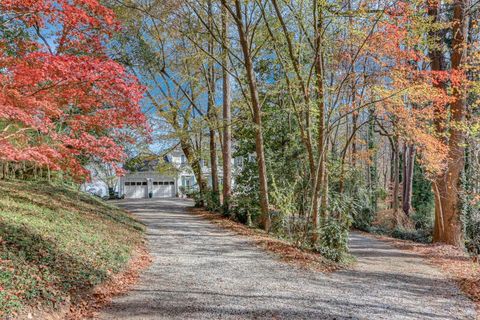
x: 145, y: 184
x: 163, y: 189
x: 136, y: 189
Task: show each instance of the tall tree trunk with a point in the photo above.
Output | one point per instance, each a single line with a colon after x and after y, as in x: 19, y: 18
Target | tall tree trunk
x: 320, y: 177
x: 404, y: 170
x: 353, y: 88
x: 409, y: 165
x: 227, y: 118
x: 395, y: 175
x: 401, y: 219
x: 257, y: 117
x: 212, y: 116
x: 213, y: 163
x: 392, y: 168
x: 354, y: 140
x: 372, y: 166
x: 194, y: 162
x: 448, y: 226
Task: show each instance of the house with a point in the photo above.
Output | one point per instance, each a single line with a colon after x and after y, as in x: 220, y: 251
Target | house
x: 147, y: 184
x: 146, y: 180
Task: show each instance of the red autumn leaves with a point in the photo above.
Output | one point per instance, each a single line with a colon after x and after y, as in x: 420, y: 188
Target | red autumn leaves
x: 62, y: 100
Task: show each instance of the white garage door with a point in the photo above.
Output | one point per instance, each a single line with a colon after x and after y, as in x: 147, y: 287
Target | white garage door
x: 136, y: 189
x: 163, y: 189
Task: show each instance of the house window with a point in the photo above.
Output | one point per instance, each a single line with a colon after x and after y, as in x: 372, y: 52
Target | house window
x: 172, y: 183
x: 183, y: 159
x: 155, y: 183
x: 186, y: 181
x: 144, y: 183
x: 127, y: 183
x: 139, y: 183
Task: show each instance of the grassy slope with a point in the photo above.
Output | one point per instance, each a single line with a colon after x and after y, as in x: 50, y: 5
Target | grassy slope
x: 56, y: 243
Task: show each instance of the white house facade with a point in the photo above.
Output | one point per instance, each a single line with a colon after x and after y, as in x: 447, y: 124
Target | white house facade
x: 146, y: 182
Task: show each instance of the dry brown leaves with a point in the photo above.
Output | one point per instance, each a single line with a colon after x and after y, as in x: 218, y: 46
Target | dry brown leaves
x: 455, y: 263
x: 89, y: 305
x: 283, y: 249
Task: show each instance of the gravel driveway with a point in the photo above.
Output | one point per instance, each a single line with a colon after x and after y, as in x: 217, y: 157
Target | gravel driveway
x: 201, y: 271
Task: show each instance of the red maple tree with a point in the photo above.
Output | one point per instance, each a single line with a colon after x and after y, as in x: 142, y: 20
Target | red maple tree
x: 62, y: 99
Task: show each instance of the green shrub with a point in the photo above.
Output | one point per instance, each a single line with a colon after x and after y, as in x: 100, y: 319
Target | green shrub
x: 423, y: 218
x: 212, y: 201
x: 198, y: 198
x: 363, y: 218
x: 286, y: 221
x: 470, y: 206
x: 333, y: 240
x: 471, y: 222
x: 355, y: 194
x: 422, y: 236
x: 472, y: 241
x: 334, y: 231
x: 245, y: 209
x: 422, y: 201
x: 245, y: 203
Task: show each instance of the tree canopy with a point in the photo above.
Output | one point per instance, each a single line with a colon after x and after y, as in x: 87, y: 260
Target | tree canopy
x: 63, y: 99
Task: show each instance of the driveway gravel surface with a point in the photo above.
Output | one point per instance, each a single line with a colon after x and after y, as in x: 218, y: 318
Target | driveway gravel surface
x: 201, y: 271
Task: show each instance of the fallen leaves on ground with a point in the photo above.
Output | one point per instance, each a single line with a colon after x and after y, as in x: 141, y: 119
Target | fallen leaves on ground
x: 285, y: 250
x: 118, y: 284
x: 57, y: 244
